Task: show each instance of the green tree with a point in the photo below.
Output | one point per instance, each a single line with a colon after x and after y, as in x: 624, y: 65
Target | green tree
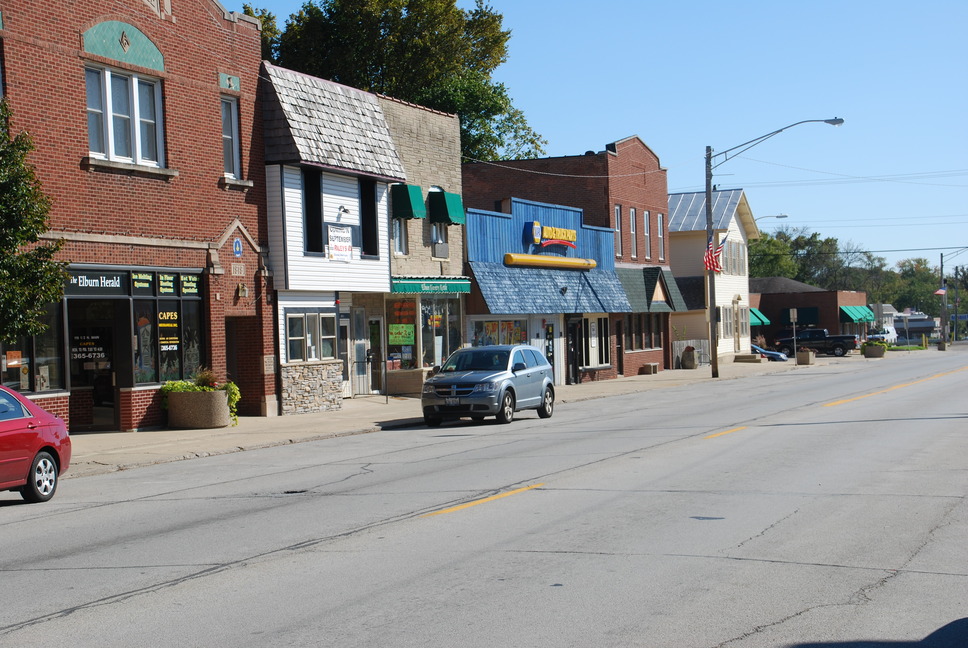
x: 30, y: 278
x: 270, y: 31
x: 771, y: 257
x: 428, y: 52
x: 919, y: 280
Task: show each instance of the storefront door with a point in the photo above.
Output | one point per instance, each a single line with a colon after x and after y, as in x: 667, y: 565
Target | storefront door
x: 575, y: 340
x: 97, y: 330
x: 376, y: 355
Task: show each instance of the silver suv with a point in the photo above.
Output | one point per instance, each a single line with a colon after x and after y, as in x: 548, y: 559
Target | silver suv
x: 489, y: 381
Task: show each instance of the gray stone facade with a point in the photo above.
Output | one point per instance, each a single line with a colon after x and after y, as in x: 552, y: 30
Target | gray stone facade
x: 428, y: 143
x: 309, y: 387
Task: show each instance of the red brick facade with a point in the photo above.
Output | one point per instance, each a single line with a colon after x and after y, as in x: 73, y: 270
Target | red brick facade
x: 185, y: 215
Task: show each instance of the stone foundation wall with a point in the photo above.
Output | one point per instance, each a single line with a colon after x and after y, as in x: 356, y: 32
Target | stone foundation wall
x: 312, y: 386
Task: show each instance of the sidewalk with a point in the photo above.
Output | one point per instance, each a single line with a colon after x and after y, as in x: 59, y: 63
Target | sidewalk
x: 103, y: 452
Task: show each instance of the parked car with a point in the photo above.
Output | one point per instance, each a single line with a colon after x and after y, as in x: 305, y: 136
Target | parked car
x: 489, y: 381
x: 820, y: 340
x: 35, y: 448
x: 772, y: 356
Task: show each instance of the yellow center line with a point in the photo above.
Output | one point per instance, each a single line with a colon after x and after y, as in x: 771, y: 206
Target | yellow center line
x: 482, y: 501
x: 890, y: 389
x: 713, y: 436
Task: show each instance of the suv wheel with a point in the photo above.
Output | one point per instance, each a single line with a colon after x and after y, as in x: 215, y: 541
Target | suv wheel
x: 506, y: 413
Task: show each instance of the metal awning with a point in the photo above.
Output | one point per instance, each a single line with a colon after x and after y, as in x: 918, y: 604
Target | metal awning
x: 430, y: 285
x: 757, y: 318
x: 545, y: 290
x: 407, y: 201
x: 447, y: 208
x: 856, y: 314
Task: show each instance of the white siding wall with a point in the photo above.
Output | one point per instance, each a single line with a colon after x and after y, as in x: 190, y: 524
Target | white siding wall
x: 316, y: 272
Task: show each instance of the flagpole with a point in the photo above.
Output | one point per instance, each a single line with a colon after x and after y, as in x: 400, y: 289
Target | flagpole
x: 713, y: 325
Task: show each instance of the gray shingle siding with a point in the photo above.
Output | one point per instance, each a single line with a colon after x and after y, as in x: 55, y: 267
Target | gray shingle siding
x: 315, y: 121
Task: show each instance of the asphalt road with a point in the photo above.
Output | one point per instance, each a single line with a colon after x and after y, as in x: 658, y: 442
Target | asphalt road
x: 823, y: 507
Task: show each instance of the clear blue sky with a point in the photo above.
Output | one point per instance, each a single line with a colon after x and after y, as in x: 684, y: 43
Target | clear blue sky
x: 686, y: 74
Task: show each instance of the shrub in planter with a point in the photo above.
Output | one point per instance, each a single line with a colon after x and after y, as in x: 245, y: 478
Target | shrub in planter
x: 873, y: 348
x: 204, y: 381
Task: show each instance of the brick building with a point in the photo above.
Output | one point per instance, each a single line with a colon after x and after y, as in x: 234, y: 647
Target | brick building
x: 623, y: 189
x: 149, y: 142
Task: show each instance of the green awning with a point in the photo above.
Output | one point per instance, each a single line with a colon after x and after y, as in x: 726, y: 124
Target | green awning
x: 447, y: 208
x: 431, y: 285
x: 856, y: 314
x: 407, y: 201
x: 757, y: 318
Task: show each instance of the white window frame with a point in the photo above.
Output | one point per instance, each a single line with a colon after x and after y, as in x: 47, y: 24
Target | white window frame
x: 231, y: 153
x: 109, y: 120
x: 618, y: 230
x: 309, y: 345
x: 646, y: 232
x: 660, y: 233
x: 399, y: 235
x: 633, y: 248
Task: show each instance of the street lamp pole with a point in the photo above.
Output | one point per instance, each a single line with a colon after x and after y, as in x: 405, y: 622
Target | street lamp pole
x: 728, y: 154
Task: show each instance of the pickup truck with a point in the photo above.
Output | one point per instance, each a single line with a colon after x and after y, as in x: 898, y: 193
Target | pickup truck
x: 820, y: 341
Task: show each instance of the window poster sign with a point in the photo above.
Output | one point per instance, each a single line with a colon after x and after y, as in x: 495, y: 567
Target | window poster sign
x: 143, y: 283
x: 93, y: 282
x: 88, y: 348
x: 189, y: 285
x: 400, y: 334
x: 169, y: 341
x: 167, y: 284
x: 340, y: 243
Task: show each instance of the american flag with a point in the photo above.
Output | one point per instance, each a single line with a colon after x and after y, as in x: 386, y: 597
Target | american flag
x: 711, y: 258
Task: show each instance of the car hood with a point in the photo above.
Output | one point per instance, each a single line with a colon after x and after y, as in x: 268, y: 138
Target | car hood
x: 467, y: 376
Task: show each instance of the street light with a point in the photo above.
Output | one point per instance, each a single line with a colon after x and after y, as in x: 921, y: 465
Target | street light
x: 774, y: 216
x: 729, y: 154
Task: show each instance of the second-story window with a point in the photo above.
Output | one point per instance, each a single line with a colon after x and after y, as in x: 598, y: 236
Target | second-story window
x: 369, y: 219
x: 124, y: 117
x: 230, y: 137
x: 618, y: 230
x: 634, y: 244
x: 399, y: 236
x: 660, y: 234
x: 645, y: 235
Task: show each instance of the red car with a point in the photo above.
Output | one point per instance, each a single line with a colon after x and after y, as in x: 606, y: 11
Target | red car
x: 35, y: 448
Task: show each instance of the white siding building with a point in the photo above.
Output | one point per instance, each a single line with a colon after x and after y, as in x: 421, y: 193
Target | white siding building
x: 329, y: 163
x: 733, y: 223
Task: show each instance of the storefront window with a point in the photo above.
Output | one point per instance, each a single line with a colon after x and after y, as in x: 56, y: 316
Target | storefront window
x: 500, y: 332
x: 596, y: 345
x: 145, y: 330
x: 192, y: 336
x: 440, y: 326
x: 401, y: 333
x: 169, y: 340
x: 310, y: 335
x: 35, y: 364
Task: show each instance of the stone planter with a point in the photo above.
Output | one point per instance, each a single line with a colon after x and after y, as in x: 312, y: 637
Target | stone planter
x: 688, y: 359
x: 198, y: 410
x: 874, y: 351
x: 805, y: 357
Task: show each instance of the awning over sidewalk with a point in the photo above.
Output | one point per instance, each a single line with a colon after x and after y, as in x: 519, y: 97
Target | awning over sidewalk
x: 856, y: 314
x: 757, y: 318
x: 516, y: 290
x: 430, y: 285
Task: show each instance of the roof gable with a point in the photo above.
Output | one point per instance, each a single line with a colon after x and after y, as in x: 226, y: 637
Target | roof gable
x: 315, y: 121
